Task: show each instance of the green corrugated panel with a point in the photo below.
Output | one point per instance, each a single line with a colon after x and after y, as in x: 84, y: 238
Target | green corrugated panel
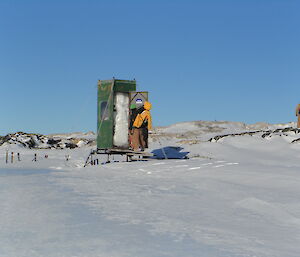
x: 105, y: 114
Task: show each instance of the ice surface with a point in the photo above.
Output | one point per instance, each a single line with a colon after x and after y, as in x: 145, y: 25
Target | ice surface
x: 238, y: 198
x: 121, y: 119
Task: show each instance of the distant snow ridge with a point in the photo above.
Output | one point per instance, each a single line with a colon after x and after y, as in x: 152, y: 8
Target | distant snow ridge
x: 291, y: 133
x: 38, y: 141
x: 196, y: 132
x: 218, y: 126
x: 179, y: 134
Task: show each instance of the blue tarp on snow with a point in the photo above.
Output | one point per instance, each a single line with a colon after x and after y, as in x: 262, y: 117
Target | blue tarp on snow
x: 169, y: 152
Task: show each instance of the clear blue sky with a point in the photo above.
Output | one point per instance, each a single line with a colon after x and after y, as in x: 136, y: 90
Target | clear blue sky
x: 234, y: 60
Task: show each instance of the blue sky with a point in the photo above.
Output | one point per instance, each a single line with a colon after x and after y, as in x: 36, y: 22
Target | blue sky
x: 200, y: 60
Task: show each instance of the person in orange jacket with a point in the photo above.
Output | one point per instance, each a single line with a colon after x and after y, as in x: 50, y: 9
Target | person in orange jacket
x: 141, y: 126
x: 298, y: 114
x: 134, y: 111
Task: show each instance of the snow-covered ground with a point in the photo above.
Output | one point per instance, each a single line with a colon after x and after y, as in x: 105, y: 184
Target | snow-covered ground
x: 237, y: 196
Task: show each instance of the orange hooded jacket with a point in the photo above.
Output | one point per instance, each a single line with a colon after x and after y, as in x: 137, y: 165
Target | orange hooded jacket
x: 144, y: 116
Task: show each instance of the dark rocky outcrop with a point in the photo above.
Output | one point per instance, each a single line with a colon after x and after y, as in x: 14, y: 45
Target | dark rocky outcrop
x: 38, y: 141
x: 52, y: 141
x: 217, y: 138
x: 262, y: 133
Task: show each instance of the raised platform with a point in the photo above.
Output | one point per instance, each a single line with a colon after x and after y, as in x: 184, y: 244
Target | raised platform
x: 122, y: 152
x: 115, y: 151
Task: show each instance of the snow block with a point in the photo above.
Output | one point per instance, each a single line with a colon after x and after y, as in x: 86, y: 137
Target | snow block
x: 121, y: 120
x: 169, y: 152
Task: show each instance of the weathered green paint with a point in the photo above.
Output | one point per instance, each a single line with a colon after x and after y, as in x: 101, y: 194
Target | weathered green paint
x: 105, y: 116
x: 105, y: 125
x: 125, y: 85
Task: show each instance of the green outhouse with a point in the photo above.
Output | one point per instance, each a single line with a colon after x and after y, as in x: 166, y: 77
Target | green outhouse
x: 114, y: 99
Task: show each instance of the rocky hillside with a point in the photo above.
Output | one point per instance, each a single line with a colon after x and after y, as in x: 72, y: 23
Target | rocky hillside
x: 196, y: 132
x: 38, y: 141
x: 291, y: 134
x: 184, y: 133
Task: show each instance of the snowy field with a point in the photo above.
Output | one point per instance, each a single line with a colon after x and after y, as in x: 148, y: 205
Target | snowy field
x: 238, y: 196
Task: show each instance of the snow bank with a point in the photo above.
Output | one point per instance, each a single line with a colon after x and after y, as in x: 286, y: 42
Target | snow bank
x: 121, y: 120
x: 237, y: 196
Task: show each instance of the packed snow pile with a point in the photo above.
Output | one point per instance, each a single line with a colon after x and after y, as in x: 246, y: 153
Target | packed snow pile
x: 38, y: 141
